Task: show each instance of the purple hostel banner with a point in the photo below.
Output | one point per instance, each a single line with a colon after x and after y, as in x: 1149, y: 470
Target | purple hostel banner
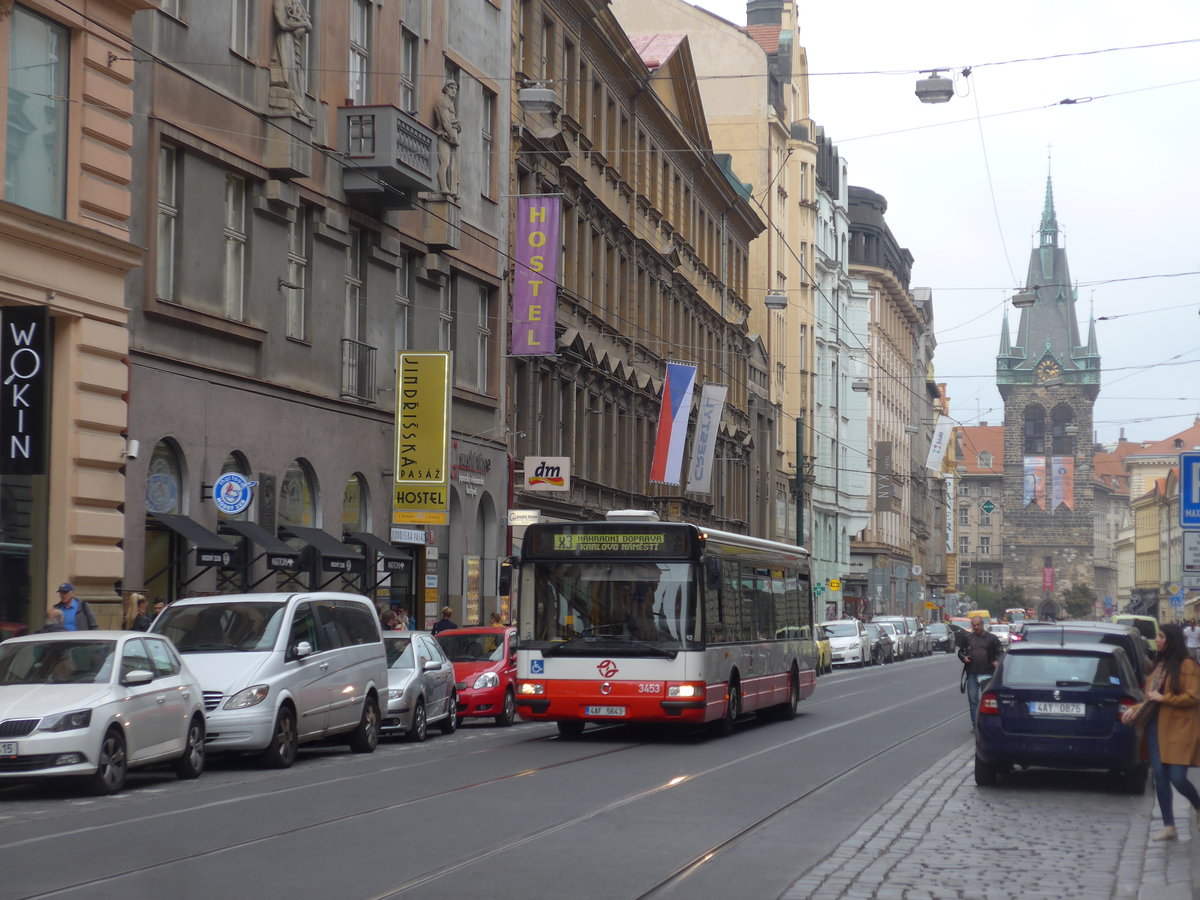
x: 535, y: 278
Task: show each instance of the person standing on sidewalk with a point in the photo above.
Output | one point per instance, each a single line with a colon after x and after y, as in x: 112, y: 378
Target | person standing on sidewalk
x: 978, y: 651
x: 1192, y: 633
x: 1172, y: 739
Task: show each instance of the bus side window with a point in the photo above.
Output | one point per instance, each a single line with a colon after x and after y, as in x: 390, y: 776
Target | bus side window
x: 731, y: 599
x: 714, y: 628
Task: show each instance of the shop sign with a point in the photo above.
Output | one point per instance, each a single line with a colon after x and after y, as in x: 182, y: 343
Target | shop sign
x: 422, y: 450
x: 222, y: 558
x: 232, y: 493
x: 547, y: 473
x: 23, y: 407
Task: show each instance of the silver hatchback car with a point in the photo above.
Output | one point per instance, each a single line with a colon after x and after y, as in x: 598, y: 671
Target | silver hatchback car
x: 420, y: 686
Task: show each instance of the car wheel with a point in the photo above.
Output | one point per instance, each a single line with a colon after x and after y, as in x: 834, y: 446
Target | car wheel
x: 570, y: 728
x: 365, y: 738
x: 733, y: 708
x: 420, y: 725
x: 450, y: 724
x: 191, y: 762
x: 508, y: 713
x: 285, y: 741
x: 111, y: 764
x: 985, y: 773
x: 788, y: 710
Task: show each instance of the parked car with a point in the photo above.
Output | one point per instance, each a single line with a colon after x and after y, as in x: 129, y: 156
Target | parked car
x: 420, y: 689
x: 1059, y: 705
x: 1002, y: 631
x: 941, y: 637
x: 485, y: 671
x: 890, y: 629
x: 883, y: 650
x: 824, y: 652
x: 1124, y: 636
x: 94, y: 704
x: 923, y: 643
x: 908, y: 645
x: 849, y: 642
x: 281, y: 669
x: 1146, y: 625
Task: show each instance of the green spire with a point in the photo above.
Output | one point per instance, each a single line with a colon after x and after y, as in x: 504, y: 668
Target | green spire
x: 1049, y: 219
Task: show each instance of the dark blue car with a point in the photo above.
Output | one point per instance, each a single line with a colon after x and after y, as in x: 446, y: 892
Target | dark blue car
x: 1059, y: 706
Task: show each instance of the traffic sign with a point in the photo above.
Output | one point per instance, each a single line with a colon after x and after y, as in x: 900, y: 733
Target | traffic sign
x: 1189, y: 489
x: 988, y: 507
x: 835, y: 584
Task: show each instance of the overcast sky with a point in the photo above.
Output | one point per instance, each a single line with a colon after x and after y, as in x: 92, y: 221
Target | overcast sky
x: 965, y: 180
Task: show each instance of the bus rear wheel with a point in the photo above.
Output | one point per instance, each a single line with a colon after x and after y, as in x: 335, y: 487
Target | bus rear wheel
x: 733, y: 708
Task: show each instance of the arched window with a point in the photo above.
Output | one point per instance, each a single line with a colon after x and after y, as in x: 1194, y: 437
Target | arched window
x: 164, y: 479
x: 1062, y: 442
x: 1035, y: 431
x: 165, y: 495
x: 298, y: 496
x: 356, y: 504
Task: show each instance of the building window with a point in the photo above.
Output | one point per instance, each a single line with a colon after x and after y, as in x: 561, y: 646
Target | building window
x: 35, y: 139
x: 964, y: 516
x: 360, y: 29
x: 168, y: 215
x: 445, y: 319
x: 410, y: 47
x: 964, y: 489
x: 355, y: 324
x: 483, y: 340
x: 985, y: 518
x: 985, y: 545
x: 172, y: 8
x: 297, y: 279
x: 404, y: 293
x: 964, y: 545
x: 985, y: 490
x: 985, y: 460
x: 986, y: 576
x: 241, y: 18
x: 487, y: 133
x: 235, y: 246
x: 547, y: 60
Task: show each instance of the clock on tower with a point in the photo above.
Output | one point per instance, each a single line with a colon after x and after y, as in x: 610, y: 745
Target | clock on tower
x: 1048, y: 369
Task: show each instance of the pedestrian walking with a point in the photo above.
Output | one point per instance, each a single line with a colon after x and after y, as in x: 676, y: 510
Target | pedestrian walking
x: 54, y: 621
x: 141, y: 619
x: 1191, y: 634
x: 445, y: 623
x: 978, y: 651
x: 1172, y: 726
x: 77, y: 615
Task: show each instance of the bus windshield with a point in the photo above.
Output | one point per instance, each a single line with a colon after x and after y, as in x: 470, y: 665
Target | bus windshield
x: 613, y: 607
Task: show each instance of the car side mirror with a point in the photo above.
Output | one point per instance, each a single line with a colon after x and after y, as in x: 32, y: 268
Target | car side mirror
x: 136, y: 677
x: 431, y: 665
x: 302, y: 649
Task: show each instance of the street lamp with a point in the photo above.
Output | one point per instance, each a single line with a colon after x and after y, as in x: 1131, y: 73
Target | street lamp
x: 776, y: 301
x: 1024, y: 299
x: 538, y: 97
x: 936, y: 88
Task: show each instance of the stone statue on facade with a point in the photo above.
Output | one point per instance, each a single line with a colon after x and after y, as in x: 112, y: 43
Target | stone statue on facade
x: 288, y: 75
x: 447, y: 126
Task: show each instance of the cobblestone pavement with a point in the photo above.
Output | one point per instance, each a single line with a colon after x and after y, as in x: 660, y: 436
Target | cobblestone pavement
x: 1038, y: 835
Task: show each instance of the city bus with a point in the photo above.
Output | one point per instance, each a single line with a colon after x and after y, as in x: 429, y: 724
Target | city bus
x: 631, y: 619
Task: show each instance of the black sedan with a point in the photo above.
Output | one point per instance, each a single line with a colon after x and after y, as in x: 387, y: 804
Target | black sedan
x: 941, y: 637
x: 1059, y: 706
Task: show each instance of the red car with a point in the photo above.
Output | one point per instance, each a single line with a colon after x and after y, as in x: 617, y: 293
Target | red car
x: 485, y: 670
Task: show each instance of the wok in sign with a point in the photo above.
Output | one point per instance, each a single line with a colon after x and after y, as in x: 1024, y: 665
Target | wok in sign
x: 23, y: 390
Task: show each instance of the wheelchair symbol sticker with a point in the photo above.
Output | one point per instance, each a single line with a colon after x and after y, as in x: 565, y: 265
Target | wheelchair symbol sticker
x: 537, y: 667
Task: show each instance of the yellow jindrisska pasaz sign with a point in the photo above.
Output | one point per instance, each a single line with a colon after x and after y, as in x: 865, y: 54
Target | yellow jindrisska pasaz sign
x: 422, y: 457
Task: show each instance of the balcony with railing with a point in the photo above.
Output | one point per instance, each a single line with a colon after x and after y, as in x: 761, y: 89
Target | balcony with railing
x: 391, y: 157
x: 358, y: 371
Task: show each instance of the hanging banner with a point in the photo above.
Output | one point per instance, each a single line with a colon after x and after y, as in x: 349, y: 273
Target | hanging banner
x: 535, y: 276
x: 1063, y: 490
x: 422, y: 458
x: 1035, y: 481
x: 704, y: 446
x: 24, y: 390
x: 885, y: 485
x: 673, y: 416
x: 941, y: 440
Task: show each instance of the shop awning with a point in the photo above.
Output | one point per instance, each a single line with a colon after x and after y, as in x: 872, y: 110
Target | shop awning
x: 279, y: 555
x: 394, y: 559
x: 211, y: 550
x: 335, y: 556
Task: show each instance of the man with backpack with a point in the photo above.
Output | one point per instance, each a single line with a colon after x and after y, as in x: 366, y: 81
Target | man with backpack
x: 76, y: 614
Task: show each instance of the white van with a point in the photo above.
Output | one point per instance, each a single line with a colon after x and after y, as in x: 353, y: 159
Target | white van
x: 281, y: 669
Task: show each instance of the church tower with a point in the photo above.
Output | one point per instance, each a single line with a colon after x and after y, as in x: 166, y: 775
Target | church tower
x: 1049, y: 382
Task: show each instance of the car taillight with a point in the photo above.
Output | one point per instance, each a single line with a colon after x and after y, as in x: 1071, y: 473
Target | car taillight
x: 1125, y: 703
x: 988, y: 706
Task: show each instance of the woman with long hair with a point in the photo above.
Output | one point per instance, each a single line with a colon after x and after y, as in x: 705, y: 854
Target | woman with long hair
x: 1173, y: 729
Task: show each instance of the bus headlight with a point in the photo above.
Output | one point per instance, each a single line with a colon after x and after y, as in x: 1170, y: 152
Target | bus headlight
x: 532, y: 689
x: 685, y: 690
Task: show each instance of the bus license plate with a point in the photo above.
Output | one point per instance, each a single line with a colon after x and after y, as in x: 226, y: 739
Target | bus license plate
x: 8, y: 748
x: 605, y: 711
x: 1037, y: 708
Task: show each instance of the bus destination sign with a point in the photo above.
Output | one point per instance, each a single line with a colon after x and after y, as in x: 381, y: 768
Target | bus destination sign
x: 575, y: 543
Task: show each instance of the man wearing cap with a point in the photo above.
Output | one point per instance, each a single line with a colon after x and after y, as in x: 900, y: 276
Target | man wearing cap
x: 76, y: 614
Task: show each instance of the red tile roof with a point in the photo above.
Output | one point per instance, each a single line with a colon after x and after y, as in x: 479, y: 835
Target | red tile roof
x: 978, y: 439
x: 655, y: 49
x: 766, y: 36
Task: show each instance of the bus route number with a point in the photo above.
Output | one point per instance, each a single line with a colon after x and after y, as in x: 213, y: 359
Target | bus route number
x: 649, y: 688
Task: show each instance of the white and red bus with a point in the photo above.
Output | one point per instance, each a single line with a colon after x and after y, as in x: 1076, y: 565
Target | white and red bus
x: 635, y: 620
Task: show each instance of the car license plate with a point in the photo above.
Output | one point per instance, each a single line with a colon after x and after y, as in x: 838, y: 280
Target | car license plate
x: 605, y: 711
x: 8, y: 748
x: 1037, y: 708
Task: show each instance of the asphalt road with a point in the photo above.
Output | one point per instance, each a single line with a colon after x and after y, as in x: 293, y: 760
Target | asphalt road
x: 496, y: 813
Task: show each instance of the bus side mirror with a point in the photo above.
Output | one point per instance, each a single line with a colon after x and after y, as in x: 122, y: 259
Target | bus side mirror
x: 712, y: 572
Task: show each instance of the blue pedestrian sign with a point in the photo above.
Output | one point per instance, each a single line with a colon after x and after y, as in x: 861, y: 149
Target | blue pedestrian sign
x: 1189, y: 490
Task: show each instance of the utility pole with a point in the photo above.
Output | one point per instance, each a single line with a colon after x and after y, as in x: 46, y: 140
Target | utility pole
x: 800, y: 479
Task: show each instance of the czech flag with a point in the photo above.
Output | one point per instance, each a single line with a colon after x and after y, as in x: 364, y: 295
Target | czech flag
x: 672, y: 423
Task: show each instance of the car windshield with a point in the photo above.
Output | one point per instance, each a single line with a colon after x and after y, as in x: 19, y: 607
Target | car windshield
x: 56, y: 662
x: 1061, y: 670
x: 1145, y: 627
x: 215, y: 627
x: 472, y: 647
x: 643, y: 606
x: 841, y: 629
x: 888, y: 627
x: 399, y: 652
x: 937, y: 628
